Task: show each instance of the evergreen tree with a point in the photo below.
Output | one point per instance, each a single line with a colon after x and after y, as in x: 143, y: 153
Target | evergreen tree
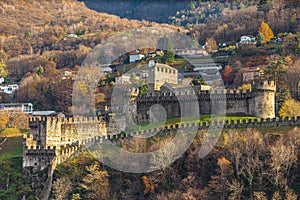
x: 284, y: 95
x: 169, y: 55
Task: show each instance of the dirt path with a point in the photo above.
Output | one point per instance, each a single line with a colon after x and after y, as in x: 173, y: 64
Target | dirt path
x: 2, y: 142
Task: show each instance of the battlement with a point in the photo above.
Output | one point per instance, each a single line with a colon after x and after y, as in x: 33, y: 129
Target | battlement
x: 264, y: 85
x: 226, y: 124
x: 37, y: 147
x: 192, y: 92
x: 40, y: 157
x: 66, y: 120
x: 188, y: 94
x: 259, y: 101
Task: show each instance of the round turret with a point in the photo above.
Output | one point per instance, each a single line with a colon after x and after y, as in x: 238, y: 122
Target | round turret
x: 264, y: 100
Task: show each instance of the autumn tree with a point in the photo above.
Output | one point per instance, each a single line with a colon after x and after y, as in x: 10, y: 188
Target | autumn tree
x: 161, y: 161
x: 290, y: 108
x: 283, y: 96
x: 3, y: 63
x: 4, y: 119
x: 260, y: 196
x: 143, y: 89
x: 62, y: 187
x: 291, y: 77
x: 227, y: 74
x: 244, y: 152
x: 265, y: 31
x: 283, y: 156
x: 95, y: 183
x: 211, y: 45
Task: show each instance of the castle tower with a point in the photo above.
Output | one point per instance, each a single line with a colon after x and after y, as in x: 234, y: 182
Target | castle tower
x: 264, y: 100
x: 160, y: 74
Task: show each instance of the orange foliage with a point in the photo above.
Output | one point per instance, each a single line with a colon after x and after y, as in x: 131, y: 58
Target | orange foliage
x: 266, y: 31
x: 223, y: 162
x: 227, y: 74
x: 4, y: 119
x: 149, y: 185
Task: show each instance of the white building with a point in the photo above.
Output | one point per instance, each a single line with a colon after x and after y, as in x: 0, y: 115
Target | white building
x: 247, y: 40
x: 67, y: 75
x: 135, y: 57
x: 107, y: 70
x: 20, y: 107
x: 72, y: 35
x: 188, y: 52
x: 123, y: 79
x: 9, y: 89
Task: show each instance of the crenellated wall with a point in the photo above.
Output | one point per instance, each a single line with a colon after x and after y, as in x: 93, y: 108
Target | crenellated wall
x: 40, y: 157
x: 259, y: 102
x: 58, y: 138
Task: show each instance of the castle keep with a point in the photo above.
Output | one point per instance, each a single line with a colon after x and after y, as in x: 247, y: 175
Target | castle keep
x: 58, y: 138
x: 259, y: 102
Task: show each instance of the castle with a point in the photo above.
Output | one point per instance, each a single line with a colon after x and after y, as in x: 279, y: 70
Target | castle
x: 259, y: 102
x: 58, y: 138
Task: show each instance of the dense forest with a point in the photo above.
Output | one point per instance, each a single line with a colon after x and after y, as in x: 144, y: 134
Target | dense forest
x: 245, y: 164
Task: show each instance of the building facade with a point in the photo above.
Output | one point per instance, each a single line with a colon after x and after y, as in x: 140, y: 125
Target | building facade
x: 160, y: 74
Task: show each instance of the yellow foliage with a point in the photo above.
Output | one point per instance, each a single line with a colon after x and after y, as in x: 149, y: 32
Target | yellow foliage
x: 245, y: 87
x: 4, y: 119
x: 83, y: 87
x: 3, y: 62
x: 225, y: 139
x: 223, y: 161
x: 266, y: 31
x: 149, y: 185
x: 290, y: 108
x: 288, y: 59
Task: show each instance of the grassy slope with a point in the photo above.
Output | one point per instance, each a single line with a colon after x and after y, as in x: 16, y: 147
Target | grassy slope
x: 12, y: 148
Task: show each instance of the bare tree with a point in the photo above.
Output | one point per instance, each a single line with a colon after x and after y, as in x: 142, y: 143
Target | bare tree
x: 61, y: 188
x: 96, y: 183
x: 283, y: 156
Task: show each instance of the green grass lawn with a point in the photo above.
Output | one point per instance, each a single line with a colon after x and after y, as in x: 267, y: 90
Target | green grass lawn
x: 12, y: 148
x: 12, y: 132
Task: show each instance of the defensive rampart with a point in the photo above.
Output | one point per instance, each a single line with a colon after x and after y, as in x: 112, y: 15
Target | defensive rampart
x: 259, y: 102
x: 39, y: 157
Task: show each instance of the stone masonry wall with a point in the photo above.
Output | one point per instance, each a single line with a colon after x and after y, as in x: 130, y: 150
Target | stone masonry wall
x: 260, y: 102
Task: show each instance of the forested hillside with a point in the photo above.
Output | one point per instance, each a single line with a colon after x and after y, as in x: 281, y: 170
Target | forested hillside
x: 41, y: 39
x: 245, y: 164
x: 157, y: 10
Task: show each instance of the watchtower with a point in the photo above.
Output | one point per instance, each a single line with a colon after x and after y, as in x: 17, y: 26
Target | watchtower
x: 264, y: 99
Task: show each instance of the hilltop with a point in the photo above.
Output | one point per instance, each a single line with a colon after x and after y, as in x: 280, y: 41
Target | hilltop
x: 41, y: 39
x: 157, y: 11
x: 27, y: 27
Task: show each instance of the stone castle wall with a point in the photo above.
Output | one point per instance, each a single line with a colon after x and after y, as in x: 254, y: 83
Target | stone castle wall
x: 58, y: 138
x: 259, y: 102
x: 39, y: 158
x: 61, y: 138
